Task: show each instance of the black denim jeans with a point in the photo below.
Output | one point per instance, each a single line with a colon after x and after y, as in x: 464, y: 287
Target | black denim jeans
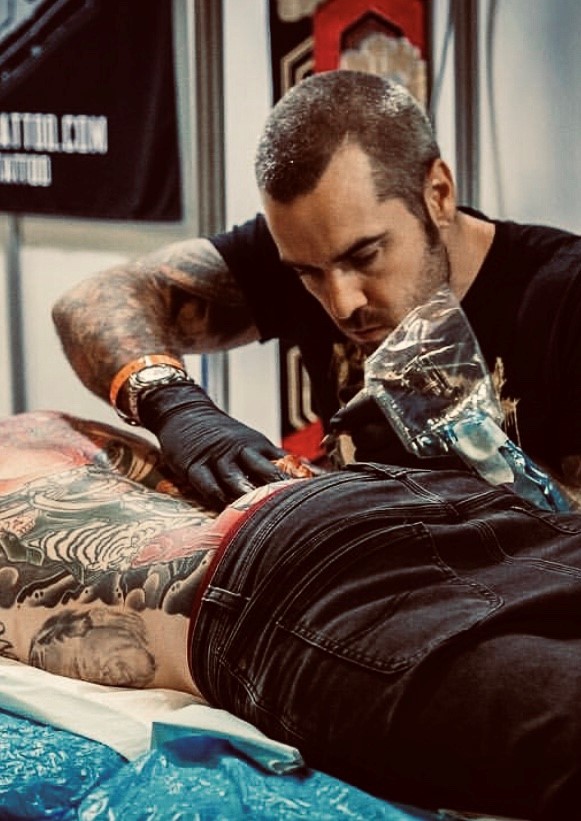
x: 415, y: 633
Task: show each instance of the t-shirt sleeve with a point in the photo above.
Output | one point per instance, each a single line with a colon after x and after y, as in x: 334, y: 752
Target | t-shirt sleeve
x: 281, y: 306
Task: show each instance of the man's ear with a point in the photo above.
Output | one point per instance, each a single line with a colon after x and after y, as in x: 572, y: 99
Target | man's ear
x: 440, y: 194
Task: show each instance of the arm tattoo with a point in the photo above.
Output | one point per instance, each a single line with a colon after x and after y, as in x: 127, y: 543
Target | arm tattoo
x: 181, y: 299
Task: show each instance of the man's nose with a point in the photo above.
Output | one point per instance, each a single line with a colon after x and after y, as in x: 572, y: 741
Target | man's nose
x: 344, y: 293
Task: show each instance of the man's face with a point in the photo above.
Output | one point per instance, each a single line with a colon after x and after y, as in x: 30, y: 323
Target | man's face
x: 367, y: 262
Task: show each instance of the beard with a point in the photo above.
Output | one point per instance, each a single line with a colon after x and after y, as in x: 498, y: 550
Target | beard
x: 435, y: 272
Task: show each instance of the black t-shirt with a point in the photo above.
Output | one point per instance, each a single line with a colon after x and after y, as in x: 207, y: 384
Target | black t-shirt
x: 524, y: 307
x: 282, y: 308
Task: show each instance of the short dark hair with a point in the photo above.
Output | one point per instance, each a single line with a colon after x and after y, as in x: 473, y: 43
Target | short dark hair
x: 307, y: 126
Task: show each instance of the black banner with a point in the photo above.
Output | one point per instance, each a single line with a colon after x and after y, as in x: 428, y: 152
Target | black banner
x: 88, y: 123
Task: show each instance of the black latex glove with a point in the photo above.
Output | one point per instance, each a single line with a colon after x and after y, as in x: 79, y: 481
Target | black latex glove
x: 376, y: 441
x: 218, y: 456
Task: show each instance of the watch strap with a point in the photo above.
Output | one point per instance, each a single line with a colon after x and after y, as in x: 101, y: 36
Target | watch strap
x: 126, y: 378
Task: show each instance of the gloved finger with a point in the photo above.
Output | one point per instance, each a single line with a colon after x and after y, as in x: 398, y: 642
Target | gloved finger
x: 233, y: 478
x: 260, y: 467
x: 362, y: 409
x: 202, y: 479
x: 252, y: 469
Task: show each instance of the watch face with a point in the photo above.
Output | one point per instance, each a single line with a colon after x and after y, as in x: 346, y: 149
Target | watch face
x: 153, y: 374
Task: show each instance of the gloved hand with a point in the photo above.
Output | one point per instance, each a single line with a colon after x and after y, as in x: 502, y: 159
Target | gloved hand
x: 373, y: 437
x: 218, y: 456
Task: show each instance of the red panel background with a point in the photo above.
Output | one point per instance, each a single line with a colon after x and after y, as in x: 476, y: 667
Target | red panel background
x: 333, y: 18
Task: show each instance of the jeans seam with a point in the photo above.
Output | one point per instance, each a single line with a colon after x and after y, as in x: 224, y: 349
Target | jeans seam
x: 257, y: 701
x: 541, y: 564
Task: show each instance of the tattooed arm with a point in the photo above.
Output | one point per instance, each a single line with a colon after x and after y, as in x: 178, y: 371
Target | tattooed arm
x: 179, y: 300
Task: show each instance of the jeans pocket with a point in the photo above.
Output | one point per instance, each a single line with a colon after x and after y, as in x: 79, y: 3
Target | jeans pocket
x: 384, y: 600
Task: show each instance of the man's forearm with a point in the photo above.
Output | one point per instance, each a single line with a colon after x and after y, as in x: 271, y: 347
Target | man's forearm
x: 182, y: 299
x: 106, y: 321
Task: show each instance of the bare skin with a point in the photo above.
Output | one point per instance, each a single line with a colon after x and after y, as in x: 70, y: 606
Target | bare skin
x: 101, y: 556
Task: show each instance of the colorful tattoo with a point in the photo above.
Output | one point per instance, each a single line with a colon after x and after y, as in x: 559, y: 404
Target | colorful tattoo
x: 90, y: 545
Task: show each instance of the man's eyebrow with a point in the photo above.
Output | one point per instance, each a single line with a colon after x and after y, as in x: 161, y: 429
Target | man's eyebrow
x: 353, y: 249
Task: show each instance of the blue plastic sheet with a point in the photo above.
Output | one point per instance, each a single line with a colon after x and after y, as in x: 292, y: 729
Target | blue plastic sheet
x: 46, y: 773
x: 202, y: 779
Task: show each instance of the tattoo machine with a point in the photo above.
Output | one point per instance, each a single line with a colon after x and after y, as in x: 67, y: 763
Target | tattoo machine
x: 430, y: 379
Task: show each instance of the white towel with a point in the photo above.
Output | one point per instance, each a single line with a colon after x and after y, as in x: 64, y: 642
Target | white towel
x: 127, y: 720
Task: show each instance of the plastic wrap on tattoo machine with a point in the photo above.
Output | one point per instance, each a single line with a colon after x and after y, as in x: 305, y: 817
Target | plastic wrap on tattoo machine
x: 430, y: 379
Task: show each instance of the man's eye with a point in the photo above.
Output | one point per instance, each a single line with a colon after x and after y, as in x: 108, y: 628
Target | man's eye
x: 366, y: 259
